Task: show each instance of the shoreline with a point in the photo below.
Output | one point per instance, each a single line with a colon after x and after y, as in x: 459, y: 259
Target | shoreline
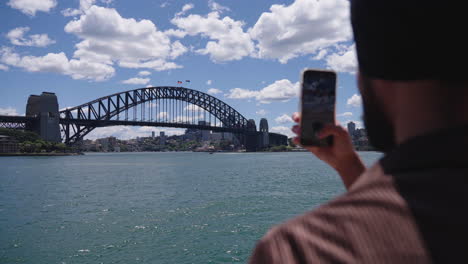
x: 39, y: 154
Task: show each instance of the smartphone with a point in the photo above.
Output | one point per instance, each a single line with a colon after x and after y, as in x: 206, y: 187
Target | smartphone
x: 317, y: 105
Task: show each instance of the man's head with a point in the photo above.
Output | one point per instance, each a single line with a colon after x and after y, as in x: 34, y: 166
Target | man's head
x: 400, y: 45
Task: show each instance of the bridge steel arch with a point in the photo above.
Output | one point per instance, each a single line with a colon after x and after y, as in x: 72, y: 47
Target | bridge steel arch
x: 78, y: 121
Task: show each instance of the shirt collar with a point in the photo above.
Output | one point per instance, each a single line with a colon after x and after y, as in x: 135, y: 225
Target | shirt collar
x: 445, y: 148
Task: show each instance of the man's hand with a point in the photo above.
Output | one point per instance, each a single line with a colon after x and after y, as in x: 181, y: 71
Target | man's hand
x: 340, y: 156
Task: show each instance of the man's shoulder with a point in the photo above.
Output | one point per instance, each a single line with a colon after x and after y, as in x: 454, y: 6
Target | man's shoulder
x: 370, y: 221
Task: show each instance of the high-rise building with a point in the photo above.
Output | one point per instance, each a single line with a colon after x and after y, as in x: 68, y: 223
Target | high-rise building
x: 351, y: 128
x: 152, y: 134
x: 162, y: 138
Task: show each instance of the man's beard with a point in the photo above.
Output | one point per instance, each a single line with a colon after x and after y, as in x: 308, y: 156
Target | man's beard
x: 380, y: 130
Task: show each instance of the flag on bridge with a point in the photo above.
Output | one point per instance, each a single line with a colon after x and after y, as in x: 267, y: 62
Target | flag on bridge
x: 179, y: 82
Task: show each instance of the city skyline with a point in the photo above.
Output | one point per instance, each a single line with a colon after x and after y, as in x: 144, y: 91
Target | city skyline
x: 55, y: 47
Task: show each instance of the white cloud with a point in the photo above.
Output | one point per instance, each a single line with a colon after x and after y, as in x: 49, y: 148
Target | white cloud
x: 261, y: 112
x: 283, y: 119
x: 30, y: 7
x: 354, y: 101
x: 144, y: 73
x: 84, y: 5
x: 281, y: 90
x: 321, y: 54
x: 107, y: 37
x: 136, y: 81
x: 4, y: 67
x: 129, y: 132
x: 192, y: 107
x: 16, y: 37
x: 164, y: 4
x: 239, y: 93
x: 162, y: 115
x: 71, y: 12
x: 209, y: 82
x: 9, y: 111
x: 175, y: 33
x: 228, y: 41
x: 304, y: 27
x: 185, y: 8
x: 344, y: 60
x: 217, y: 7
x: 213, y: 91
x: 345, y: 114
x: 282, y: 130
x: 57, y: 63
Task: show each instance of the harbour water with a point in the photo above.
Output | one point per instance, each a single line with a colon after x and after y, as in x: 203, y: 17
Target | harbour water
x: 153, y: 207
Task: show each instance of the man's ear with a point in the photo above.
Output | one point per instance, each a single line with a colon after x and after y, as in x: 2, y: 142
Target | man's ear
x: 386, y: 91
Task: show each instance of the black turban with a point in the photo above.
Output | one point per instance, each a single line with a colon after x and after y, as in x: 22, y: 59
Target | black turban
x: 411, y: 40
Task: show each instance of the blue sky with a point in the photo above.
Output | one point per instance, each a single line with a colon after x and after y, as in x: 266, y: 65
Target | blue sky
x: 247, y: 53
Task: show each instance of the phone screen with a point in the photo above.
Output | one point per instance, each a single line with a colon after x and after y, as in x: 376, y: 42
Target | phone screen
x: 318, y: 105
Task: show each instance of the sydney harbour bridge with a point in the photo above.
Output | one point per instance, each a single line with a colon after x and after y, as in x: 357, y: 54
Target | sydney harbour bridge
x: 162, y: 106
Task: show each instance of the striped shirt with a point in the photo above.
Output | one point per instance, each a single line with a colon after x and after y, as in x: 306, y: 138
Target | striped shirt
x: 410, y: 207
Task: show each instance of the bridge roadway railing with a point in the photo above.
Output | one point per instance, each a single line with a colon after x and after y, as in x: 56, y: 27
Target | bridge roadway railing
x: 15, y: 122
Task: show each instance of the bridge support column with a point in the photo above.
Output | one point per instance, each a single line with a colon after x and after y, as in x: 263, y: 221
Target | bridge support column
x: 251, y: 141
x: 44, y: 107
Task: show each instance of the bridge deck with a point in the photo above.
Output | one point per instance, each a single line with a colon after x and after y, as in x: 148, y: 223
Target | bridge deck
x: 105, y: 123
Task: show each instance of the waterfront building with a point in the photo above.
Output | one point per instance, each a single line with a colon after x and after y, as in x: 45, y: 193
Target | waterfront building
x: 162, y: 138
x: 351, y: 128
x: 8, y: 144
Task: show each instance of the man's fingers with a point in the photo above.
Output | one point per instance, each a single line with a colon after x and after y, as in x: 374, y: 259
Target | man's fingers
x: 296, y: 117
x: 332, y: 130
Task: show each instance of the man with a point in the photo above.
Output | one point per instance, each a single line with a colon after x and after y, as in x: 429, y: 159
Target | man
x: 411, y: 206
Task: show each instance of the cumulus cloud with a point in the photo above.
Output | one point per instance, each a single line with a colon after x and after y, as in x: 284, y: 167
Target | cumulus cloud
x: 304, y: 27
x: 10, y: 111
x: 345, y: 114
x: 217, y: 7
x: 344, y: 60
x: 228, y: 41
x: 213, y: 91
x: 281, y: 90
x: 209, y: 82
x: 16, y: 37
x: 30, y: 7
x: 283, y: 119
x: 4, y: 67
x: 144, y: 73
x: 282, y: 130
x: 354, y: 101
x: 195, y: 108
x: 162, y: 115
x: 107, y: 37
x: 185, y: 8
x: 84, y: 5
x: 57, y: 63
x: 136, y: 80
x: 261, y: 112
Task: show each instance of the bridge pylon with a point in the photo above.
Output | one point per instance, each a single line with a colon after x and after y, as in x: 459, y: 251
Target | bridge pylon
x: 44, y: 108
